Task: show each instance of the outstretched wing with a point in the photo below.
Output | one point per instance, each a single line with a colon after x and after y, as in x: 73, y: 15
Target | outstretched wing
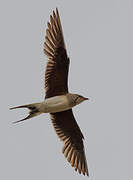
x: 69, y: 132
x: 56, y: 74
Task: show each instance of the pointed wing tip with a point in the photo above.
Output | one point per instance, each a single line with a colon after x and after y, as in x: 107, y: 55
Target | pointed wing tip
x: 73, y: 162
x: 85, y: 173
x: 54, y: 13
x: 56, y: 9
x: 57, y: 12
x: 81, y: 172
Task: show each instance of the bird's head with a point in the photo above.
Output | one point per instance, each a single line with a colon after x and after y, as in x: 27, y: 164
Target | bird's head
x: 79, y: 99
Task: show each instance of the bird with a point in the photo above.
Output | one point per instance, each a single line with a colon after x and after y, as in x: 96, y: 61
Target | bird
x: 58, y: 102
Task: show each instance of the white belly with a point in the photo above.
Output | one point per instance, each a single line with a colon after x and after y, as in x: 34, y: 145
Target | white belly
x: 55, y: 104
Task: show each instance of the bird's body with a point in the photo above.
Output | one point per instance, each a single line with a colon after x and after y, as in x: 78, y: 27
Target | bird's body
x: 58, y: 101
x: 56, y: 104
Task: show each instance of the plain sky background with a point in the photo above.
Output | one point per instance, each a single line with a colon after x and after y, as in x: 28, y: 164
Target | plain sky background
x: 99, y: 40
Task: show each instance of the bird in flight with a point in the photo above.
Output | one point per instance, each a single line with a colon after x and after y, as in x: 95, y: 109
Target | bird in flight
x: 58, y: 101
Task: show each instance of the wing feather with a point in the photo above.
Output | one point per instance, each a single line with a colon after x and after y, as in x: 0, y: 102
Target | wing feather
x: 69, y: 132
x: 56, y: 74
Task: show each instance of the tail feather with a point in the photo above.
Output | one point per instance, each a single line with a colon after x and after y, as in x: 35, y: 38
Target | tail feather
x: 34, y: 111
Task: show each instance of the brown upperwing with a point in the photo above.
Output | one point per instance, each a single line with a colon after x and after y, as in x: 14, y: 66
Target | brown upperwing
x: 56, y: 83
x: 56, y: 74
x: 69, y: 132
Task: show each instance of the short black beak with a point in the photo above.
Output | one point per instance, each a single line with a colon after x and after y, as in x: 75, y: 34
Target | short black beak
x: 86, y: 98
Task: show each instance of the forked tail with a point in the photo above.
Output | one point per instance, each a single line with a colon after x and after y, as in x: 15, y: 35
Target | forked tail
x: 33, y: 111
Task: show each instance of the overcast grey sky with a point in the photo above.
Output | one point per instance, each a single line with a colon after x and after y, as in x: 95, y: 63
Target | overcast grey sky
x: 99, y: 40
